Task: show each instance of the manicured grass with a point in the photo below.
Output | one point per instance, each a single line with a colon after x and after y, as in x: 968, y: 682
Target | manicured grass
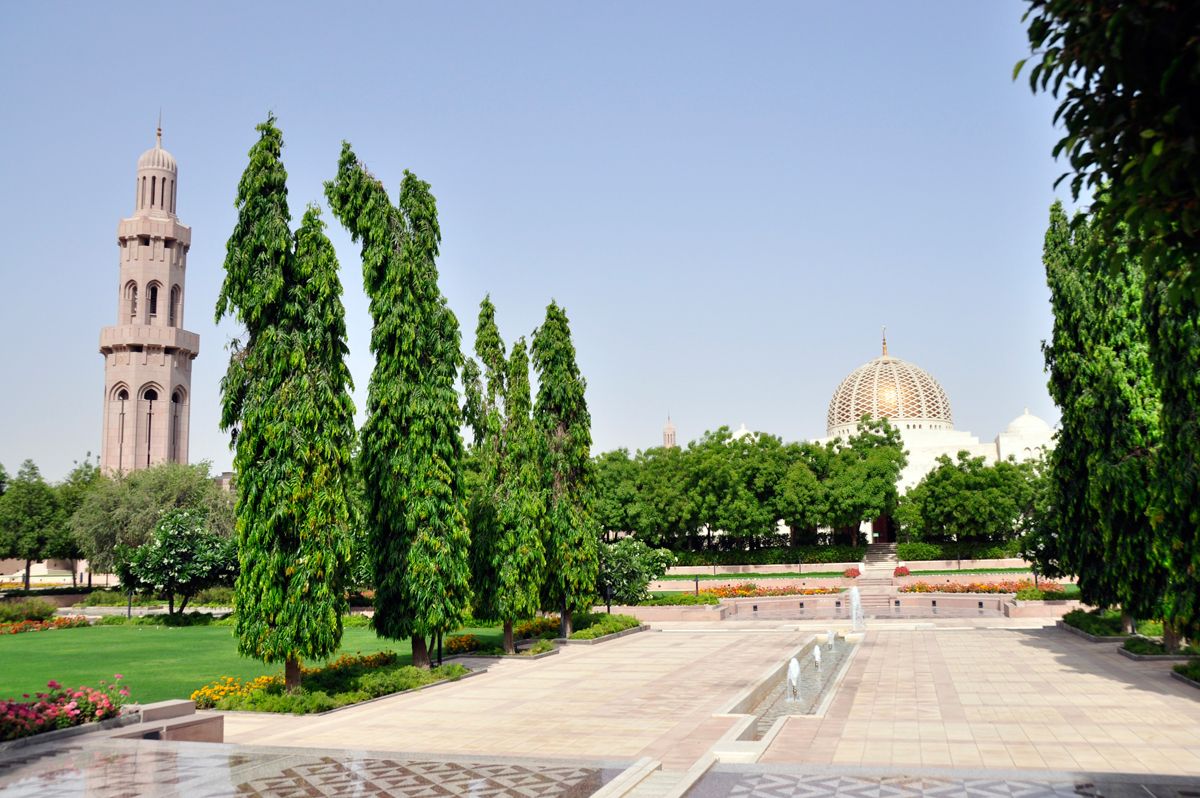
x: 157, y: 662
x: 752, y: 577
x: 974, y: 571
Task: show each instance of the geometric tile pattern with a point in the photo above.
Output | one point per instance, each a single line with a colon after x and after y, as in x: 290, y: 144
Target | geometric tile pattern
x: 139, y: 769
x: 891, y: 388
x: 787, y: 785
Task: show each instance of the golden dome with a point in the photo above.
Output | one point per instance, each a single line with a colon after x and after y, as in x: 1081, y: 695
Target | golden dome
x: 891, y: 388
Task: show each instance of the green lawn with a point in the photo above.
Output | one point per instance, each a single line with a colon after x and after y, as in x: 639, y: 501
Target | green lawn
x: 157, y: 662
x: 974, y: 571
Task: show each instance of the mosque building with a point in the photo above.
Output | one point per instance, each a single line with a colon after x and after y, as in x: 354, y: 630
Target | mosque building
x: 147, y: 354
x: 914, y: 402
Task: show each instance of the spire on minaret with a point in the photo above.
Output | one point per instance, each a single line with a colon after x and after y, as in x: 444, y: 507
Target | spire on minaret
x: 885, y: 341
x: 158, y: 146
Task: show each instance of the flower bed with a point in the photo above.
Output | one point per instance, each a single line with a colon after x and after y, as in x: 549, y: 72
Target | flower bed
x: 900, y: 571
x: 537, y: 627
x: 972, y: 587
x: 43, y: 626
x: 348, y: 680
x: 460, y: 644
x: 751, y: 590
x: 852, y: 573
x: 681, y: 599
x: 60, y: 708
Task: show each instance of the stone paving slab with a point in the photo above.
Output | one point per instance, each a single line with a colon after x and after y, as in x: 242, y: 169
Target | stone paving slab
x: 651, y: 694
x: 1000, y: 698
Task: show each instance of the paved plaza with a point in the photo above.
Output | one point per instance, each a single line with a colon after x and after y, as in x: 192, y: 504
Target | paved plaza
x: 968, y: 694
x: 973, y: 707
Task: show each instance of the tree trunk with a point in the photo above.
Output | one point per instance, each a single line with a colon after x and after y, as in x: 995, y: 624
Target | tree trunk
x: 1170, y: 638
x: 74, y: 565
x: 566, y: 622
x: 89, y: 577
x: 1128, y: 624
x: 28, y: 565
x: 420, y: 655
x: 183, y: 604
x: 509, y: 646
x: 291, y: 676
x: 170, y: 602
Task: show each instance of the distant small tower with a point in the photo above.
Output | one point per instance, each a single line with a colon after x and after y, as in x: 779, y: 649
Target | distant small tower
x: 148, y: 355
x: 669, y: 434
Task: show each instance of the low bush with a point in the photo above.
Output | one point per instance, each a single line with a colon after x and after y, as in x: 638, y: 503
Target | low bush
x: 952, y: 551
x: 900, y: 571
x: 589, y: 626
x: 1054, y: 593
x: 1190, y: 669
x: 1098, y: 623
x: 460, y: 644
x: 852, y: 573
x: 27, y: 610
x: 48, y: 591
x: 43, y: 626
x: 115, y: 598
x: 537, y: 627
x: 362, y: 598
x: 60, y: 708
x: 1142, y: 646
x: 348, y: 680
x: 808, y: 555
x: 681, y: 599
x: 212, y: 597
x: 972, y: 587
x: 540, y: 647
x: 751, y: 590
x: 355, y: 621
x: 111, y: 620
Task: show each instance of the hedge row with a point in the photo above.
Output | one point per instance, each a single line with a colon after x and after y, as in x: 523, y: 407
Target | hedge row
x: 815, y: 555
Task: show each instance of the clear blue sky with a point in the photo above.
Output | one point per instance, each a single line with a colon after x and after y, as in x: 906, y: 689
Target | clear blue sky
x: 730, y: 200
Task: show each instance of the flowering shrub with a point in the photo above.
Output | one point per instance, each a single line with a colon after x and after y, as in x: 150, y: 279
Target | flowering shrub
x: 751, y: 590
x: 60, y: 708
x: 537, y: 627
x: 900, y: 571
x: 208, y: 696
x: 27, y: 610
x: 460, y: 644
x: 43, y: 626
x: 851, y: 573
x: 1009, y: 586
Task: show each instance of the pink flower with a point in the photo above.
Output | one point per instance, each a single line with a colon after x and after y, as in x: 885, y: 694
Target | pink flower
x: 115, y: 676
x: 124, y: 692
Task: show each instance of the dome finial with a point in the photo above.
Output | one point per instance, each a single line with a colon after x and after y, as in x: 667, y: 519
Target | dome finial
x: 158, y: 146
x: 885, y: 341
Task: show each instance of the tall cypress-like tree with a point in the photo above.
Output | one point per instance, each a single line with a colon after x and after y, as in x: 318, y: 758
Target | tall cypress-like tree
x: 1174, y: 335
x: 568, y: 473
x: 410, y: 453
x: 508, y: 557
x: 285, y: 397
x: 1101, y: 467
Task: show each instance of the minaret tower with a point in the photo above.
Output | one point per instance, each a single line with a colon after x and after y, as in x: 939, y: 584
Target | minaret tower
x: 148, y: 355
x: 669, y: 434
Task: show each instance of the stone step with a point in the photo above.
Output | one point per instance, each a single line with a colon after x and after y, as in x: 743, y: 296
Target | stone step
x: 657, y: 784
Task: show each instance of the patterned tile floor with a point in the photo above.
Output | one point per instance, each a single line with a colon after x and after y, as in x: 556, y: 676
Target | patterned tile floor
x: 137, y: 769
x: 752, y: 781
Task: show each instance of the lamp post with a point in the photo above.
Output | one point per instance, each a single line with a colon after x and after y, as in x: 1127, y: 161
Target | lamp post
x: 697, y: 584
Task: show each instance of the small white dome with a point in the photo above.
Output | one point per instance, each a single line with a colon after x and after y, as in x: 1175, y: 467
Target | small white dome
x: 1027, y: 424
x: 742, y: 433
x: 157, y: 158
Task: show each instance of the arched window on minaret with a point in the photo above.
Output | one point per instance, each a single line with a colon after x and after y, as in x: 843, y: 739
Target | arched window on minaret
x: 131, y: 304
x: 152, y: 182
x: 150, y: 396
x: 152, y: 302
x: 121, y: 395
x: 176, y: 307
x: 142, y: 204
x: 172, y: 196
x: 176, y: 401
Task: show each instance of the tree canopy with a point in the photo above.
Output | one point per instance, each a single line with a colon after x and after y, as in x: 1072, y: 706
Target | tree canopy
x: 410, y: 450
x: 29, y: 516
x: 180, y: 559
x: 285, y: 398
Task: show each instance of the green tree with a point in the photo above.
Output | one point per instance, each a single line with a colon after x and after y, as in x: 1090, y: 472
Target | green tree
x: 801, y: 494
x: 1101, y: 469
x: 285, y: 397
x: 627, y: 567
x: 862, y: 475
x: 617, y: 503
x: 3, y: 480
x: 124, y: 509
x: 968, y: 499
x: 64, y: 544
x: 180, y: 559
x: 29, y: 515
x: 411, y: 453
x: 1128, y: 72
x: 562, y: 418
x: 507, y: 509
x: 665, y: 511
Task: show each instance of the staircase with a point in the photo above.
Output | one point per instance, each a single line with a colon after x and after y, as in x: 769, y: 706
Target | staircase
x: 875, y: 584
